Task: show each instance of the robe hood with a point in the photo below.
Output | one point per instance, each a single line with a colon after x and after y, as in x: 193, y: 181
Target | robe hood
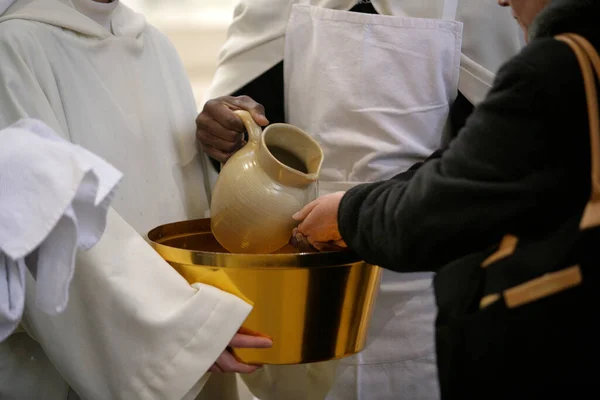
x: 63, y: 14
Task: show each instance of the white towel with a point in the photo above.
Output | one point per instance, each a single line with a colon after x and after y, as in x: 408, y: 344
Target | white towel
x: 4, y: 4
x: 54, y: 197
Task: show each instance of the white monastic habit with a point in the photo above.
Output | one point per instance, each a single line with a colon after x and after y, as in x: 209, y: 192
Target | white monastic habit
x: 103, y: 78
x: 256, y: 39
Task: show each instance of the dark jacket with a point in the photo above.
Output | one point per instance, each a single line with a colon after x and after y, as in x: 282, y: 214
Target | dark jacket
x: 520, y: 165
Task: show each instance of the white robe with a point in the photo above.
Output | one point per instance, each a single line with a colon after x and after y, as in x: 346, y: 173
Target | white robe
x: 255, y: 39
x: 133, y: 329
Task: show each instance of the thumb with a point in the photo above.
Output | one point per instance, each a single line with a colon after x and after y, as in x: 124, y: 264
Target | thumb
x: 302, y: 214
x: 259, y: 118
x: 242, y: 341
x: 340, y: 243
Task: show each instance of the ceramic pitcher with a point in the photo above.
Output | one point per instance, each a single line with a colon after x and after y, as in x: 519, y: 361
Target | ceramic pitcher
x: 262, y: 185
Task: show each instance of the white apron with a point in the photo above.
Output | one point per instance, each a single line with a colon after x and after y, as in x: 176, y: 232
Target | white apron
x: 375, y: 92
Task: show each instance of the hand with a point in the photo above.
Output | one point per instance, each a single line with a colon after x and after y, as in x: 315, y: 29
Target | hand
x: 228, y: 363
x: 220, y: 130
x: 300, y: 242
x: 319, y: 222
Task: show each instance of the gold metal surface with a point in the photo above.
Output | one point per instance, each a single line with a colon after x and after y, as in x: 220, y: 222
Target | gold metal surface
x: 315, y: 306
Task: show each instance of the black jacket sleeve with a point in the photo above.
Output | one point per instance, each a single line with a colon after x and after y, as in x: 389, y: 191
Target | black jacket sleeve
x: 521, y: 164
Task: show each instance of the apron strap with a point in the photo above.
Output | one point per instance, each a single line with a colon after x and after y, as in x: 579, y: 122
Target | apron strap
x: 589, y: 62
x: 450, y: 10
x: 448, y: 13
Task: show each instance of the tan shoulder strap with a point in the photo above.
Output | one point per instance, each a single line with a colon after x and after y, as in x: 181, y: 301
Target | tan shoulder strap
x: 589, y: 61
x: 588, y: 58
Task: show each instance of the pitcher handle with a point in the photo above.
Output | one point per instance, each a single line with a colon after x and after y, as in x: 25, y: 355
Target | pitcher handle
x: 254, y: 130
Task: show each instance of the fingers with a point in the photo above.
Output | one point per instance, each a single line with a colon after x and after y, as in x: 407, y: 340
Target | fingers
x: 217, y: 154
x: 320, y: 228
x: 306, y: 210
x: 215, y: 368
x: 322, y: 246
x: 247, y: 103
x: 336, y: 245
x: 341, y: 244
x: 217, y: 116
x: 247, y: 331
x: 293, y: 239
x: 310, y: 226
x: 217, y: 135
x: 319, y: 223
x: 242, y: 341
x: 221, y: 110
x: 227, y: 364
x: 220, y: 130
x: 217, y: 141
x: 301, y: 242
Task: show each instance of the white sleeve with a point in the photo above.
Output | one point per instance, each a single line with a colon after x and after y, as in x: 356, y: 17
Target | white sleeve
x: 134, y: 328
x: 21, y: 92
x: 254, y: 44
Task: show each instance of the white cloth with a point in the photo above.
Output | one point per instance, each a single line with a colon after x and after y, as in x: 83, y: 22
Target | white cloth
x: 374, y: 117
x: 133, y: 327
x: 255, y: 40
x: 373, y: 90
x: 54, y: 199
x: 4, y: 4
x: 101, y: 13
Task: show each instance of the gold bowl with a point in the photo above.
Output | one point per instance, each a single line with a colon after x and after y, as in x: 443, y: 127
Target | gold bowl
x: 315, y: 306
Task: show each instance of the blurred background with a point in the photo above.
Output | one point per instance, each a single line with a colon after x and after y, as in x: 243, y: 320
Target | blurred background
x: 197, y: 28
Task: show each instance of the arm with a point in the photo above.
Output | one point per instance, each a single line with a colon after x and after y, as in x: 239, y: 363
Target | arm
x: 133, y: 327
x: 496, y: 177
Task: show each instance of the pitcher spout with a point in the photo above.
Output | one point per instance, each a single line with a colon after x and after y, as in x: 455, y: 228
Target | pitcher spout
x: 290, y: 155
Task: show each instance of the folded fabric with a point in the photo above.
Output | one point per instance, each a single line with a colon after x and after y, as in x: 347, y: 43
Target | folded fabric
x: 54, y: 197
x: 4, y: 4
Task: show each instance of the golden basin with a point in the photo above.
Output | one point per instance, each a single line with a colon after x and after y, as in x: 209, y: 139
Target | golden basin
x: 315, y: 306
